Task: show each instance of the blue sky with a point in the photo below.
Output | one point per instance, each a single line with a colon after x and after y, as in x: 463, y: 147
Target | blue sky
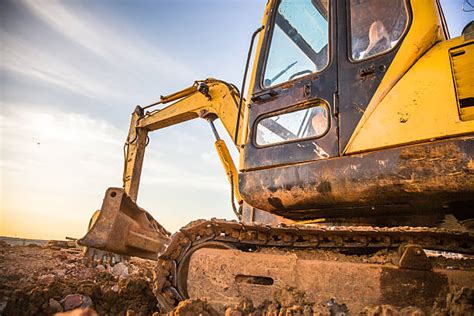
x: 71, y: 72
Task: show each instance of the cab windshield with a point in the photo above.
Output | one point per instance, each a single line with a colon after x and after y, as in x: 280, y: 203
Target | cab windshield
x: 299, y: 44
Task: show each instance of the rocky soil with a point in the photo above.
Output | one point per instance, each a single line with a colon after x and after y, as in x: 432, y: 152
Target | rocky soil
x: 37, y: 280
x: 52, y: 280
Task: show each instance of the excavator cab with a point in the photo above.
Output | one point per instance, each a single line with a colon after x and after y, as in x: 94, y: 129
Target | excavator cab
x: 359, y: 118
x: 342, y: 118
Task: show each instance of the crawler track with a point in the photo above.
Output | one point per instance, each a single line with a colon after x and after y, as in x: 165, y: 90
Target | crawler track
x: 172, y: 264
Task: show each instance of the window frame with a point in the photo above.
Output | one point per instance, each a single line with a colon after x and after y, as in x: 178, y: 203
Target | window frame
x: 349, y: 33
x: 444, y: 22
x: 269, y: 41
x: 293, y: 108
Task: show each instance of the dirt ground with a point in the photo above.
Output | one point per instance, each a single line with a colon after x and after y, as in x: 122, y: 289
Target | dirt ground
x: 38, y: 280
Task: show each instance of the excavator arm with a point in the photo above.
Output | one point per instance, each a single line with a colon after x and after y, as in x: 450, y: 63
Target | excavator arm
x: 122, y: 226
x: 208, y: 99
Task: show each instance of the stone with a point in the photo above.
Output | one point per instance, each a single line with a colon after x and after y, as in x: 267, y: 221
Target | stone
x: 45, y: 279
x: 55, y: 306
x: 73, y: 301
x: 120, y: 270
x: 100, y: 268
x: 232, y: 312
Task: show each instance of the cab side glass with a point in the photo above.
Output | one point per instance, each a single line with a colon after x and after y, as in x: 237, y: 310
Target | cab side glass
x: 376, y: 26
x: 299, y: 44
x: 306, y: 123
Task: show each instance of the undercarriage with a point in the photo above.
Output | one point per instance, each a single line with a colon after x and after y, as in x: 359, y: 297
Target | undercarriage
x: 356, y: 268
x: 225, y: 262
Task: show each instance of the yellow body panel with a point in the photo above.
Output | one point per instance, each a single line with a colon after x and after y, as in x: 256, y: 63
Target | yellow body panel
x: 229, y: 167
x: 425, y: 30
x: 421, y: 106
x: 462, y: 64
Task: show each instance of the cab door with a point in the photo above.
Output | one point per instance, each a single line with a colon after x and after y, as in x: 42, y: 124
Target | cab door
x: 370, y: 34
x: 293, y: 115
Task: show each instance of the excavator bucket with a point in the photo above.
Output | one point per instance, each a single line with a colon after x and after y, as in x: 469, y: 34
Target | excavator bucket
x: 124, y: 228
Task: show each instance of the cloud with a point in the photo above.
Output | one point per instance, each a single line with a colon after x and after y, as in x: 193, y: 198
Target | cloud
x: 54, y: 148
x: 114, y: 47
x: 56, y: 165
x: 75, y: 51
x: 20, y: 57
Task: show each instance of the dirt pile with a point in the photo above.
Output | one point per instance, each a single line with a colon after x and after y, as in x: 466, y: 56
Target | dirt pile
x: 38, y: 280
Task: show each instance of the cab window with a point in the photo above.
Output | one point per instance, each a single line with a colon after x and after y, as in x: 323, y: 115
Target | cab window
x: 299, y: 43
x: 376, y: 26
x: 299, y: 124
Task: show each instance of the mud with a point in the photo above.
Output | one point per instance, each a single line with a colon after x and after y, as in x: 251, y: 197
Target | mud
x: 291, y: 302
x: 37, y: 280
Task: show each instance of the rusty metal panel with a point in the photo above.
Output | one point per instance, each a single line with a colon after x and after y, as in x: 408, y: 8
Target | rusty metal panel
x: 419, y: 178
x: 228, y: 276
x: 124, y: 228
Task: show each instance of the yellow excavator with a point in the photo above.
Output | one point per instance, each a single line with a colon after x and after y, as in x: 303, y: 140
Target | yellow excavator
x: 355, y: 186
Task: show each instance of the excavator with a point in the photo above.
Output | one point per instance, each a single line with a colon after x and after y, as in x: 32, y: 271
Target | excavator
x: 355, y: 182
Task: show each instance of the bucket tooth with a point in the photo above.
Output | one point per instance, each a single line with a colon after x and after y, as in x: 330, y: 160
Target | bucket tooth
x: 125, y: 228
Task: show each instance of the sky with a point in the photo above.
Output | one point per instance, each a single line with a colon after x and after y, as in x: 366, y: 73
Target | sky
x: 72, y: 71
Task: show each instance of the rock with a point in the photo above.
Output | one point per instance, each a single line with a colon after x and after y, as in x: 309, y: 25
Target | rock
x: 381, y: 310
x: 232, y: 312
x: 54, y: 306
x: 73, y: 301
x: 70, y: 266
x: 87, y: 288
x: 337, y: 309
x: 413, y: 311
x: 100, y: 268
x: 85, y: 273
x: 120, y: 270
x: 194, y: 307
x: 45, y: 279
